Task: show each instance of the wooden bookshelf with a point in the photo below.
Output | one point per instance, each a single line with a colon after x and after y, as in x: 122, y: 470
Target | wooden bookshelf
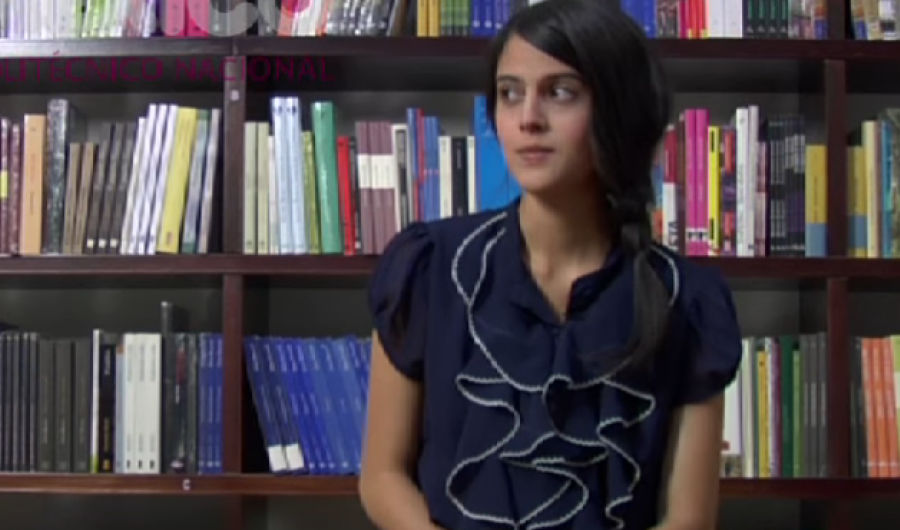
x: 834, y: 69
x: 276, y: 486
x: 428, y: 48
x: 774, y: 268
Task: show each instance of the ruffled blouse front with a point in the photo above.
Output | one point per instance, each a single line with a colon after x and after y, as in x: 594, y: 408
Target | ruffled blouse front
x: 529, y: 422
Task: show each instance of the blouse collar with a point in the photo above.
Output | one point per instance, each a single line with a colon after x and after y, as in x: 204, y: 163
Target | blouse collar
x: 525, y: 292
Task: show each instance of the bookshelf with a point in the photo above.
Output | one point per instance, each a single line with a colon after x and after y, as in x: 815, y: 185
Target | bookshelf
x: 825, y: 74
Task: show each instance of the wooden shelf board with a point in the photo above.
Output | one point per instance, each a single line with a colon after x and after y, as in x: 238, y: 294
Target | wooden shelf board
x: 115, y: 265
x: 406, y: 47
x: 404, y: 63
x: 768, y: 49
x: 803, y: 268
x: 395, y: 47
x: 109, y: 484
x: 122, y: 48
x: 270, y: 485
x: 750, y: 268
x: 361, y: 266
x: 187, y: 265
x: 353, y: 266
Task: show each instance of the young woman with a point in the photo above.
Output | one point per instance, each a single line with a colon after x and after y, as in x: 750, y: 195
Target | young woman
x: 546, y: 365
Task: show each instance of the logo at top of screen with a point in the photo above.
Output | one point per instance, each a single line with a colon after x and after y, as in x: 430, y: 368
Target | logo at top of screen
x: 235, y: 21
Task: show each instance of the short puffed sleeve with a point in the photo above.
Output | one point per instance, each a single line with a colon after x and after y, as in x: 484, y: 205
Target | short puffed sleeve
x: 399, y: 297
x: 714, y: 345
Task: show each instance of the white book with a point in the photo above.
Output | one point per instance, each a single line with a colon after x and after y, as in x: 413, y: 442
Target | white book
x: 151, y: 404
x: 445, y: 172
x: 364, y: 174
x: 296, y: 165
x: 472, y: 173
x: 139, y: 156
x: 398, y: 149
x: 195, y: 186
x: 285, y: 228
x: 129, y: 428
x: 149, y: 167
x: 250, y: 131
x: 106, y: 20
x: 274, y: 235
x: 96, y: 341
x: 751, y: 176
x: 262, y: 187
x: 209, y: 178
x: 151, y: 230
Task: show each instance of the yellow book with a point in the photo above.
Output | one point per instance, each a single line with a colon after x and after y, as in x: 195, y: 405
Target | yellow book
x: 856, y: 202
x: 434, y: 18
x: 870, y: 155
x: 310, y: 194
x: 714, y: 194
x: 177, y: 181
x: 422, y: 18
x: 816, y: 199
x: 762, y: 378
x: 32, y: 189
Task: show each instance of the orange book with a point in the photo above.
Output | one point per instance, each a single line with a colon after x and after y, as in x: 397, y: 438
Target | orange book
x: 868, y: 384
x: 880, y: 384
x: 890, y: 411
x: 32, y: 205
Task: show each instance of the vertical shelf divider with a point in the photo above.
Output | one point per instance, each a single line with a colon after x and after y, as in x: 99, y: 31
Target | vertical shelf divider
x: 838, y: 379
x: 235, y: 110
x: 836, y: 124
x: 233, y: 372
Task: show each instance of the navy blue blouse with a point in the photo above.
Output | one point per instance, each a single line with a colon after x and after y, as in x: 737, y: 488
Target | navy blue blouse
x: 518, y: 430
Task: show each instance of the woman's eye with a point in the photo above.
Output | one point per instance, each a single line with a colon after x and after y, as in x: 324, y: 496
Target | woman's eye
x: 563, y: 93
x: 509, y: 94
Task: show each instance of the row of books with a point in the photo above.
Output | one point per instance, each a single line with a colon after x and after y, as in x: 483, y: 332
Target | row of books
x: 351, y: 193
x: 112, y: 402
x: 310, y: 397
x: 874, y: 20
x: 776, y: 421
x: 85, y: 19
x: 873, y: 187
x: 688, y: 19
x: 716, y: 19
x: 76, y: 187
x: 875, y: 407
x: 750, y: 187
x: 151, y: 402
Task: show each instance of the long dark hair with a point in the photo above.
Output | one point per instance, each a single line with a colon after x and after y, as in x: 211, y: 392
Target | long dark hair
x: 631, y: 105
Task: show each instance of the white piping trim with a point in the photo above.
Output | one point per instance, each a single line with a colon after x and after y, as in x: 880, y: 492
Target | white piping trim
x: 519, y: 458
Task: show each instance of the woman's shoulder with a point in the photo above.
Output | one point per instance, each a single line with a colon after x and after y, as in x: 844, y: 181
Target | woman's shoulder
x: 434, y: 242
x: 689, y: 281
x: 713, y: 338
x: 401, y: 287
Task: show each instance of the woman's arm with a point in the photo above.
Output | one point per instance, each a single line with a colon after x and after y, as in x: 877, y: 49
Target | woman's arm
x: 389, y: 496
x: 691, y: 491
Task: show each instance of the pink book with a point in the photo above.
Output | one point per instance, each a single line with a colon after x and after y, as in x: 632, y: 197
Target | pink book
x: 702, y: 138
x: 174, y: 20
x: 367, y: 220
x: 690, y: 154
x: 289, y: 11
x: 198, y: 22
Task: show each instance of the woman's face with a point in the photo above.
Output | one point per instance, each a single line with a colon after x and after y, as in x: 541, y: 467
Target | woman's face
x: 543, y: 118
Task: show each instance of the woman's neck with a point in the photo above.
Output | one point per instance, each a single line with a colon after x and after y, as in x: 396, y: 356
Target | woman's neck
x: 564, y: 234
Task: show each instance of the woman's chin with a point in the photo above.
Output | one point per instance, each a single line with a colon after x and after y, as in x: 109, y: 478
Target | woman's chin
x: 538, y: 182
